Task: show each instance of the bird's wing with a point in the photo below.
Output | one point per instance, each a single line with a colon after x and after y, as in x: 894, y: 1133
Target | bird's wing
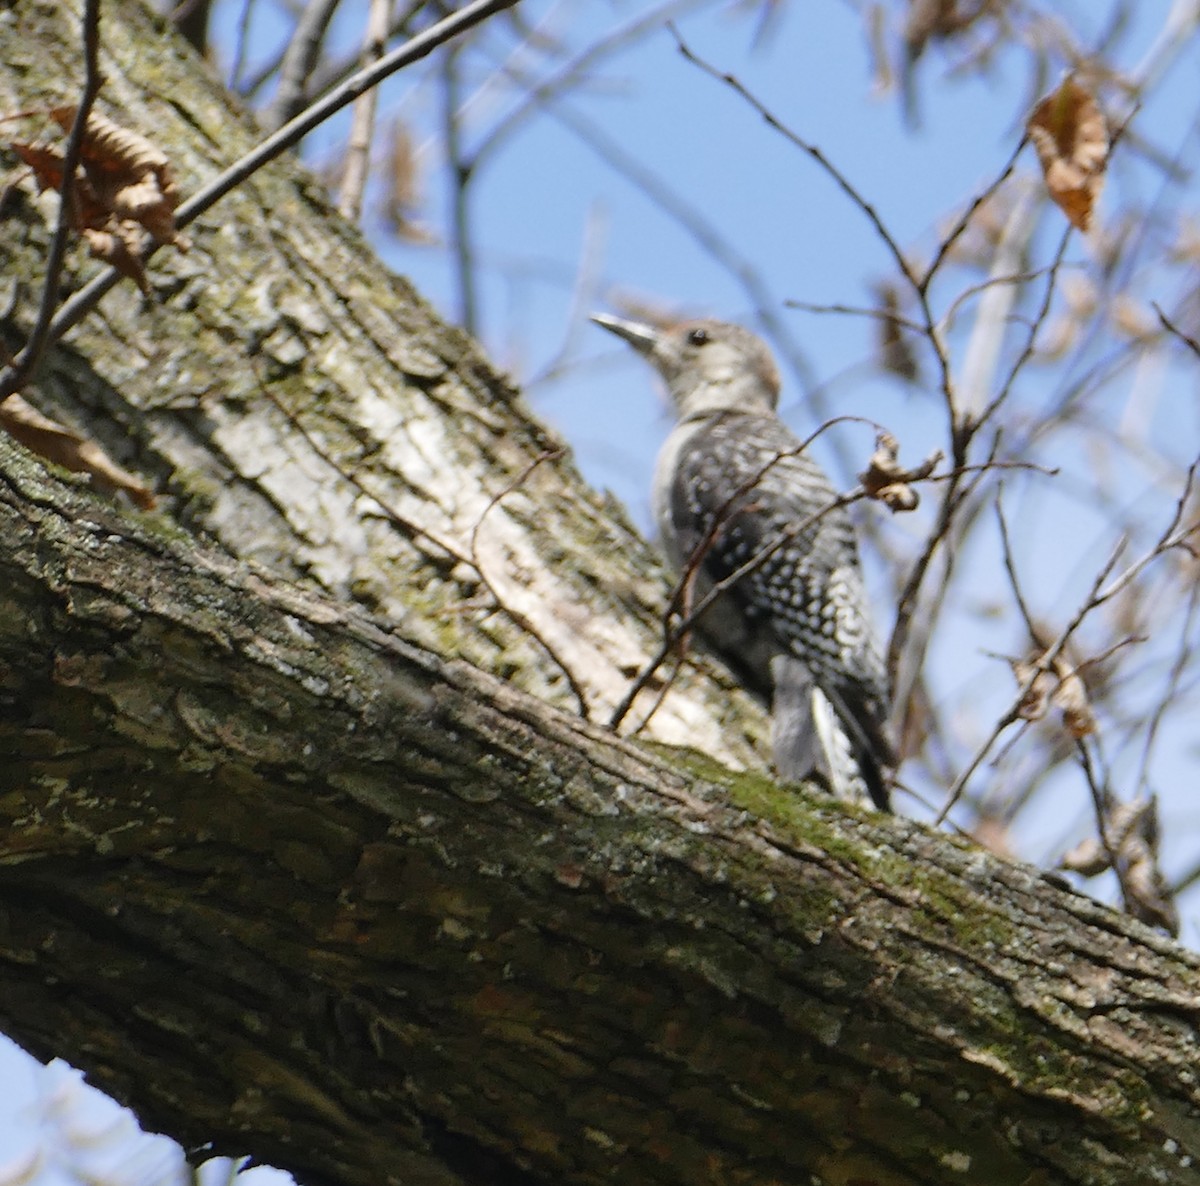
x: 748, y: 498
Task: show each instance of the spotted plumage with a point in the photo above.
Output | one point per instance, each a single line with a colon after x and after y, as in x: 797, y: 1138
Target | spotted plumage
x: 738, y: 499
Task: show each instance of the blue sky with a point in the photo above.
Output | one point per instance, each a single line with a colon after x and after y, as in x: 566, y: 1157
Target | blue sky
x: 561, y: 232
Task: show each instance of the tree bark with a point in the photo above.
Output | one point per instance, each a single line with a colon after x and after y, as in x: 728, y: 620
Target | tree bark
x: 278, y: 356
x: 306, y: 850
x: 290, y: 884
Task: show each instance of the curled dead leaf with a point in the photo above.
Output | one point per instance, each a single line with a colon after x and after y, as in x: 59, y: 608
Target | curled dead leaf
x: 1071, y: 698
x: 888, y: 481
x: 1036, y: 701
x: 402, y: 193
x: 125, y: 182
x: 1130, y: 847
x: 114, y: 248
x: 1070, y: 134
x: 120, y: 152
x: 1056, y: 684
x: 1087, y: 858
x: 46, y: 163
x: 894, y: 346
x: 66, y: 448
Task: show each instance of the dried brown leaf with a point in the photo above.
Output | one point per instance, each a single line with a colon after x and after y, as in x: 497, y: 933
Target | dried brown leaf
x: 402, y: 197
x: 66, y: 448
x: 1132, y: 319
x: 930, y: 20
x: 46, y: 163
x: 1071, y: 698
x: 1132, y: 832
x: 894, y: 345
x: 1036, y: 700
x: 131, y: 175
x: 1071, y: 137
x: 888, y: 481
x: 144, y: 203
x: 114, y: 248
x: 88, y: 210
x: 124, y: 183
x: 994, y: 833
x: 111, y: 148
x: 1088, y: 858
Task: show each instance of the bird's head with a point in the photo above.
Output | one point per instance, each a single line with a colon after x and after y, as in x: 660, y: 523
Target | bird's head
x: 708, y: 366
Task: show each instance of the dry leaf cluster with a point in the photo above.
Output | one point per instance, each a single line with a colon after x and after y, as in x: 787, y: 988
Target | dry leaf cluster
x: 938, y: 20
x: 888, y: 481
x: 402, y: 188
x: 1129, y: 846
x: 894, y: 345
x: 64, y: 447
x: 124, y: 187
x: 1070, y: 134
x: 1055, y: 684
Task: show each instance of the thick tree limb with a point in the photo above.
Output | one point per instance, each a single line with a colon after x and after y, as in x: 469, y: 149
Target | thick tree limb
x: 290, y: 884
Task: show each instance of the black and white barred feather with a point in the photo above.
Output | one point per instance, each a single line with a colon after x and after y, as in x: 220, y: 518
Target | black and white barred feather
x: 740, y: 504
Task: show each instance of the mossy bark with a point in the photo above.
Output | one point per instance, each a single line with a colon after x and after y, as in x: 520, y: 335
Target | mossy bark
x: 292, y: 885
x: 285, y: 865
x: 301, y: 405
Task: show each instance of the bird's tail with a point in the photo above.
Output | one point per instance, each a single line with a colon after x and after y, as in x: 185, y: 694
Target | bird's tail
x: 809, y: 736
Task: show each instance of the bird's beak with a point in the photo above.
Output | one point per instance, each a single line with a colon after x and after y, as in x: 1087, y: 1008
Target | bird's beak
x: 643, y: 338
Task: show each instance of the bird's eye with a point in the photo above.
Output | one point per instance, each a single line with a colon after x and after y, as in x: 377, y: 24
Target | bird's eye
x: 697, y: 337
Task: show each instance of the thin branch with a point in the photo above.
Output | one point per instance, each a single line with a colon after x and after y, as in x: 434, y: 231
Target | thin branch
x: 411, y: 527
x: 279, y: 142
x: 459, y: 185
x: 846, y: 186
x: 697, y: 224
x: 538, y: 94
x: 469, y: 557
x: 1171, y: 690
x: 299, y: 60
x: 1102, y: 805
x: 240, y: 45
x: 1010, y: 567
x: 964, y: 220
x: 774, y: 122
x: 1172, y: 328
x: 362, y: 130
x: 521, y: 620
x: 871, y: 314
x: 25, y: 366
x: 1102, y: 591
x: 1039, y: 319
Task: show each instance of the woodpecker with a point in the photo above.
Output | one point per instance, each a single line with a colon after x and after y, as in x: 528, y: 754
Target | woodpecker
x: 737, y: 499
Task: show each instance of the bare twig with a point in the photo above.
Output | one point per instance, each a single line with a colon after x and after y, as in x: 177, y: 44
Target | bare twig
x: 299, y: 60
x: 521, y: 619
x: 964, y: 220
x: 1010, y: 567
x: 1170, y: 691
x: 468, y: 556
x: 362, y: 129
x: 1172, y: 328
x: 25, y: 366
x: 410, y: 526
x: 847, y: 187
x: 75, y: 309
x: 1102, y: 805
x: 461, y: 227
x: 1175, y: 535
x: 873, y: 314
